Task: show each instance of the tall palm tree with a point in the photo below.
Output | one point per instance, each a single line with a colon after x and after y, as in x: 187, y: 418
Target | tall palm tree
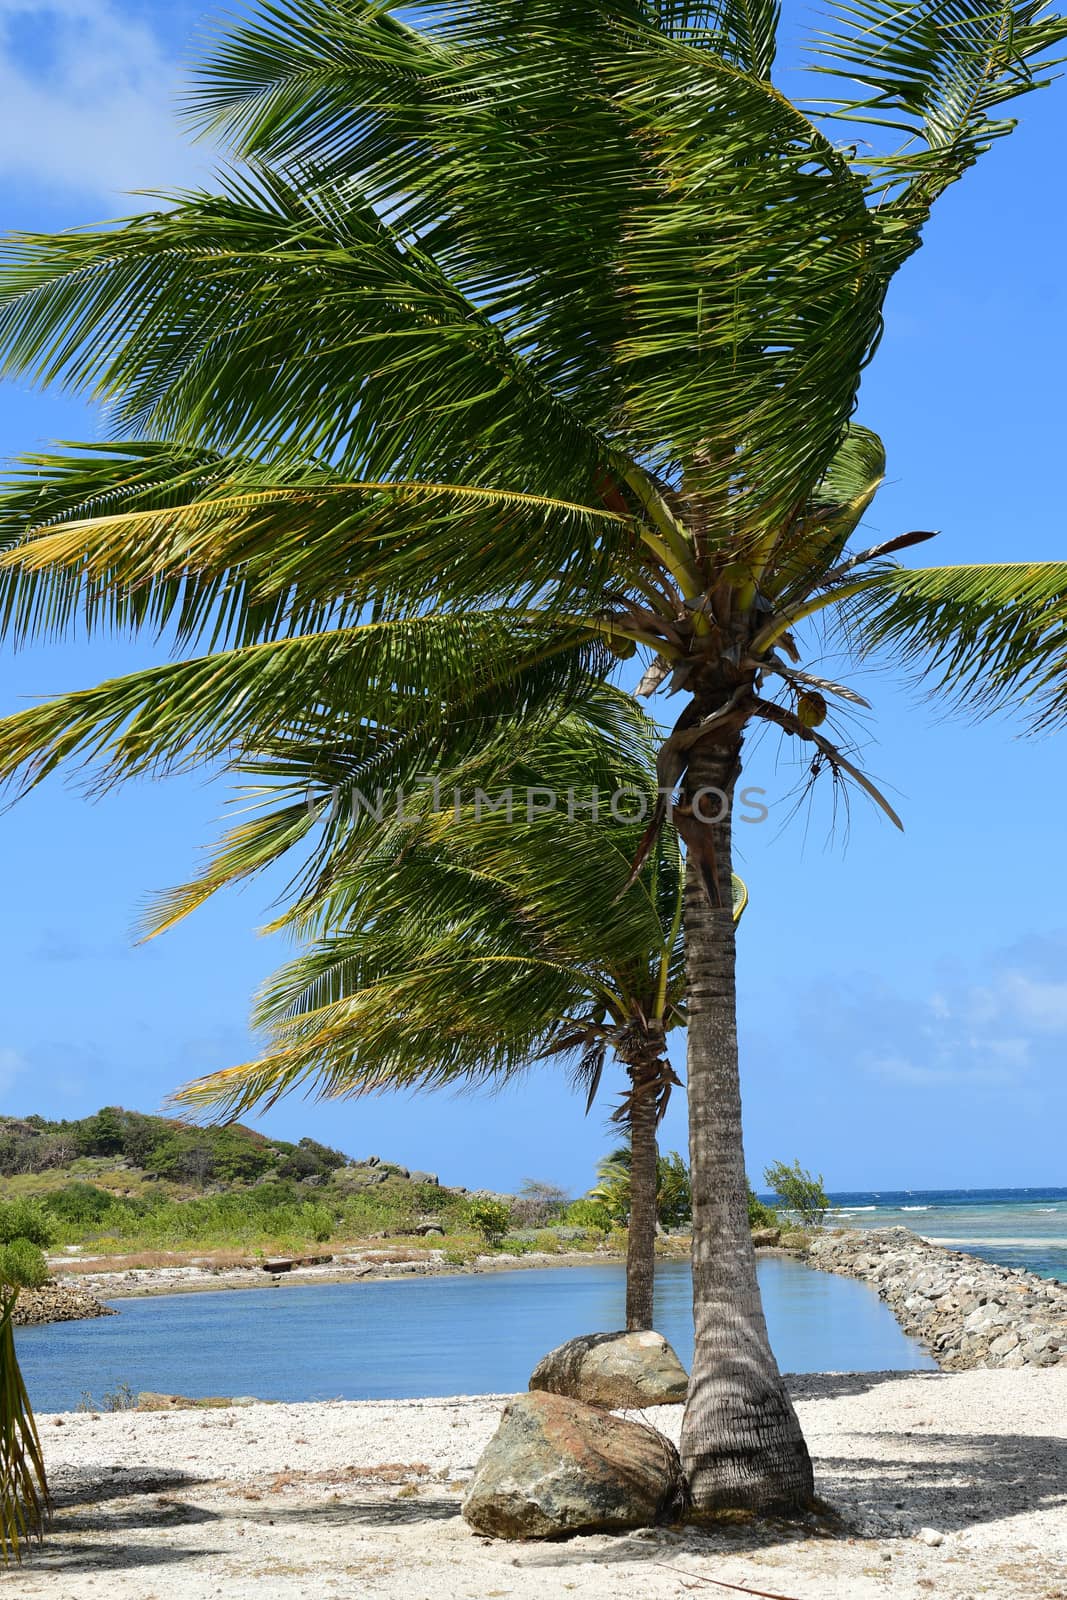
x: 470, y: 927
x: 543, y: 326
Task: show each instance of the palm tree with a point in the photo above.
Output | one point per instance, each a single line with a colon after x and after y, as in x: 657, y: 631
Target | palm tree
x: 614, y: 1186
x: 543, y: 327
x: 468, y: 931
x: 460, y: 931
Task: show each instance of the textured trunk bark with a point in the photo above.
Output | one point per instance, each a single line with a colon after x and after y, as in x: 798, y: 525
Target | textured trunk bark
x: 641, y: 1242
x: 741, y: 1442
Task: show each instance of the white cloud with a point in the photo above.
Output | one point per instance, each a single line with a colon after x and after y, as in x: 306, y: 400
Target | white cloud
x: 87, y: 101
x: 1040, y: 1004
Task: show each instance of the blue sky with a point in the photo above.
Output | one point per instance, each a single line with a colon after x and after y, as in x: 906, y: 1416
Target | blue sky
x: 903, y: 998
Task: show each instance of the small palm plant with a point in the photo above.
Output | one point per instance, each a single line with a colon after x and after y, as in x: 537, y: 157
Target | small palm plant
x: 24, y: 1498
x: 613, y: 1189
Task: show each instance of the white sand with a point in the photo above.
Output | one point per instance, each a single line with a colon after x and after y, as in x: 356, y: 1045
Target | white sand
x: 362, y: 1499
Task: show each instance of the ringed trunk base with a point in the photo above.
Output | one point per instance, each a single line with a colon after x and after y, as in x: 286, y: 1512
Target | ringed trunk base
x: 752, y: 1458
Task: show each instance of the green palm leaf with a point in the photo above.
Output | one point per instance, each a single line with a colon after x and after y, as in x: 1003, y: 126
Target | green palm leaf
x: 988, y: 636
x: 938, y: 72
x: 416, y: 673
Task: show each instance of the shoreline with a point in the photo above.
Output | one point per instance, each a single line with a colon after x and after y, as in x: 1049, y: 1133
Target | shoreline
x: 352, y: 1267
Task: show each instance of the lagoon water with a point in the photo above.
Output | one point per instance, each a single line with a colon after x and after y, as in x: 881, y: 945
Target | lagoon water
x: 478, y: 1334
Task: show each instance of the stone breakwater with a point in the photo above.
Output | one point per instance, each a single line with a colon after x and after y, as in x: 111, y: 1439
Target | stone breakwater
x: 967, y: 1312
x: 56, y: 1302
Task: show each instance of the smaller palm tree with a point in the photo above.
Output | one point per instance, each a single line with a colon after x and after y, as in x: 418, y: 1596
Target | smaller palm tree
x: 486, y: 920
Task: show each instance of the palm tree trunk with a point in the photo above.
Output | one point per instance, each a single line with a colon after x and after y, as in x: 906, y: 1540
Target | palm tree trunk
x: 741, y: 1442
x: 644, y: 1175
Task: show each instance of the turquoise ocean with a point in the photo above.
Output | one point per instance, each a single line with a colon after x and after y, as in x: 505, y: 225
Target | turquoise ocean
x: 1015, y: 1227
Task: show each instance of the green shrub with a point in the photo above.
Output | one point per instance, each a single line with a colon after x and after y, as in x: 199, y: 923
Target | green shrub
x: 492, y: 1218
x: 589, y: 1214
x: 26, y: 1219
x: 318, y: 1222
x: 101, y: 1135
x: 760, y: 1215
x: 22, y: 1264
x: 800, y: 1191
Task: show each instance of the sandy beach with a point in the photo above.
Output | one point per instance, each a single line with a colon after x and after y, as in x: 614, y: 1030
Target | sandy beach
x: 951, y: 1485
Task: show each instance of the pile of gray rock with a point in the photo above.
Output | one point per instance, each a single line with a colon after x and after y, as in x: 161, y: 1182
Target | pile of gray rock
x: 56, y: 1302
x: 967, y: 1312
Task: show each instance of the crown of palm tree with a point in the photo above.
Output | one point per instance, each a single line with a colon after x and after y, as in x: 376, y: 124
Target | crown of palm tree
x: 558, y: 307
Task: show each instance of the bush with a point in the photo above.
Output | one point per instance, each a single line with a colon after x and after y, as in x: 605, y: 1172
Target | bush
x: 22, y: 1264
x: 589, y: 1214
x: 318, y: 1222
x: 492, y: 1218
x: 26, y: 1219
x: 103, y: 1134
x: 800, y: 1191
x: 760, y: 1215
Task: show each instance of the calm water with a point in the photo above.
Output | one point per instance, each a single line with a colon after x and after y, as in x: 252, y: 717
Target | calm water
x: 427, y: 1336
x: 1017, y: 1227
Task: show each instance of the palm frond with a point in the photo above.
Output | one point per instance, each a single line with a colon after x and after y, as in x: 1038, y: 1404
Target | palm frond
x: 422, y: 671
x: 937, y: 72
x: 24, y: 1497
x: 221, y: 548
x: 985, y: 636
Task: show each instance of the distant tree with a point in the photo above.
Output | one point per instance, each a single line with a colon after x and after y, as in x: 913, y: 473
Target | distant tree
x: 103, y: 1134
x: 800, y: 1191
x: 674, y: 1195
x: 197, y: 1162
x: 140, y: 1138
x: 538, y: 1203
x: 759, y: 1214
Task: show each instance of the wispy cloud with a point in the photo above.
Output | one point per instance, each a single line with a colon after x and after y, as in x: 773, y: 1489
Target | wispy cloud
x: 988, y: 1029
x: 87, y: 101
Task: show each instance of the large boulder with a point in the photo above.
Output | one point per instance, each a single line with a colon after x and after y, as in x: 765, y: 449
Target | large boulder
x: 619, y: 1371
x: 556, y: 1466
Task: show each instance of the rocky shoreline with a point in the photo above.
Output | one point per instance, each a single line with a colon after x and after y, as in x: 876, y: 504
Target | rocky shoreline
x: 966, y: 1311
x: 56, y: 1302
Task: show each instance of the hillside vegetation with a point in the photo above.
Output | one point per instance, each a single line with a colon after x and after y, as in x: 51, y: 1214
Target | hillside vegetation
x: 122, y: 1181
